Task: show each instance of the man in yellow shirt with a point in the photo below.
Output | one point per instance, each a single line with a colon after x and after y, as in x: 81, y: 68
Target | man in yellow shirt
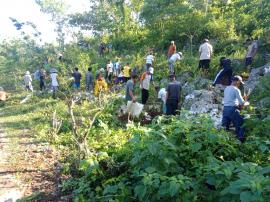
x: 100, y: 85
x: 126, y: 72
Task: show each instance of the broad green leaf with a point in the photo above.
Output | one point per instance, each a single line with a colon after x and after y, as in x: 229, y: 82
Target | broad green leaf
x: 140, y: 191
x: 174, y: 188
x: 246, y: 196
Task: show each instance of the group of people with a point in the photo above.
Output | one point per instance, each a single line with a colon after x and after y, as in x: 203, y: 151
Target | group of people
x: 115, y: 73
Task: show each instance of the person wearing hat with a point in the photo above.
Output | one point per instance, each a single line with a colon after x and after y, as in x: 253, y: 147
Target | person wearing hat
x: 205, y: 53
x: 145, y: 81
x: 28, y: 81
x: 172, y: 96
x: 172, y: 49
x: 173, y: 59
x: 233, y: 102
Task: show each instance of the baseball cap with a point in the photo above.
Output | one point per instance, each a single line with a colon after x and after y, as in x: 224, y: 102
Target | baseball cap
x: 151, y: 70
x: 172, y: 41
x: 181, y: 54
x: 238, y: 78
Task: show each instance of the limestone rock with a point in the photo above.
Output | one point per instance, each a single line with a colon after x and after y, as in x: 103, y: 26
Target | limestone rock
x: 206, y: 102
x: 255, y: 76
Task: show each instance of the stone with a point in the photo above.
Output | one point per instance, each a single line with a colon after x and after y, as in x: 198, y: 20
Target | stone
x: 206, y: 102
x: 255, y: 76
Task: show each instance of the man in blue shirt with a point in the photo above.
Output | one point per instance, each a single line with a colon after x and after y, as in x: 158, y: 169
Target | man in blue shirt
x: 77, y: 78
x: 233, y: 101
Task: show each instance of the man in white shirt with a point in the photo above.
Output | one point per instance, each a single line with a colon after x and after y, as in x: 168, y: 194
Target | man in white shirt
x: 54, y: 81
x: 162, y: 94
x: 149, y: 61
x: 109, y: 70
x: 173, y: 59
x: 28, y: 81
x: 205, y: 52
x: 233, y: 101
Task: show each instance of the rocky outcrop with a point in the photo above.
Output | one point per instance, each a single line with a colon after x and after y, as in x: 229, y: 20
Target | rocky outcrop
x: 255, y: 76
x: 206, y: 102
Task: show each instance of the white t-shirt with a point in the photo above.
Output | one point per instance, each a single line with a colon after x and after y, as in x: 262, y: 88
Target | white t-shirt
x: 54, y: 79
x: 146, y: 82
x: 149, y: 59
x: 110, y: 67
x: 175, y: 57
x: 206, y: 51
x: 162, y: 94
x: 28, y: 80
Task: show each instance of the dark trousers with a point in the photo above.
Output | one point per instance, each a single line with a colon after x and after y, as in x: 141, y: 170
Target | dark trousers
x: 204, y: 64
x: 232, y: 114
x: 145, y: 96
x: 171, y: 106
x: 42, y: 85
x: 248, y: 61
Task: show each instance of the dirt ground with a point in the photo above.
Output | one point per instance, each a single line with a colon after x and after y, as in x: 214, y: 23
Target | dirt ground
x: 28, y: 169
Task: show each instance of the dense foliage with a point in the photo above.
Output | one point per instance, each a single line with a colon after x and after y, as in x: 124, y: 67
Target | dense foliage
x: 178, y: 158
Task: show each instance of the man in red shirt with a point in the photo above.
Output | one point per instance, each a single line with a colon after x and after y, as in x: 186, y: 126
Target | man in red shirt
x: 172, y: 49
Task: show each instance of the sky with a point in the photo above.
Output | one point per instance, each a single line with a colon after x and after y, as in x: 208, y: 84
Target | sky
x: 28, y: 10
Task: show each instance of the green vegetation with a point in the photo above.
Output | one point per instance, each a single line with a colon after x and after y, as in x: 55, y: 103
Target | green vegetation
x: 179, y: 158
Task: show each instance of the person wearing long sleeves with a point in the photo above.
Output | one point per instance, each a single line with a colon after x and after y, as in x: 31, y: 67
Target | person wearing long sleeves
x: 233, y: 102
x: 224, y: 76
x: 89, y: 80
x: 100, y: 85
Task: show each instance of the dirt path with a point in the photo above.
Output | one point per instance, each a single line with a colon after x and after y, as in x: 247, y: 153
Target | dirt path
x: 28, y: 168
x: 9, y: 186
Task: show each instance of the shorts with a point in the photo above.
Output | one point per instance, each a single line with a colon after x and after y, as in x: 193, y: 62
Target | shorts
x: 76, y: 85
x: 248, y: 61
x: 204, y: 64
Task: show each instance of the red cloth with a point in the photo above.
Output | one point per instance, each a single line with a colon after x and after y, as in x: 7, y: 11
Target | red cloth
x: 172, y: 50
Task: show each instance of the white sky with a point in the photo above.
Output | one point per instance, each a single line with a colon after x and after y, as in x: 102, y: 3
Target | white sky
x: 28, y: 10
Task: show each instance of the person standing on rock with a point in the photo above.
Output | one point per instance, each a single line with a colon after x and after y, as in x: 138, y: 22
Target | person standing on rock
x: 172, y: 61
x: 130, y: 88
x: 224, y: 76
x: 172, y: 96
x: 205, y: 54
x: 252, y: 50
x: 145, y: 84
x: 28, y: 81
x: 172, y: 49
x: 233, y: 102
